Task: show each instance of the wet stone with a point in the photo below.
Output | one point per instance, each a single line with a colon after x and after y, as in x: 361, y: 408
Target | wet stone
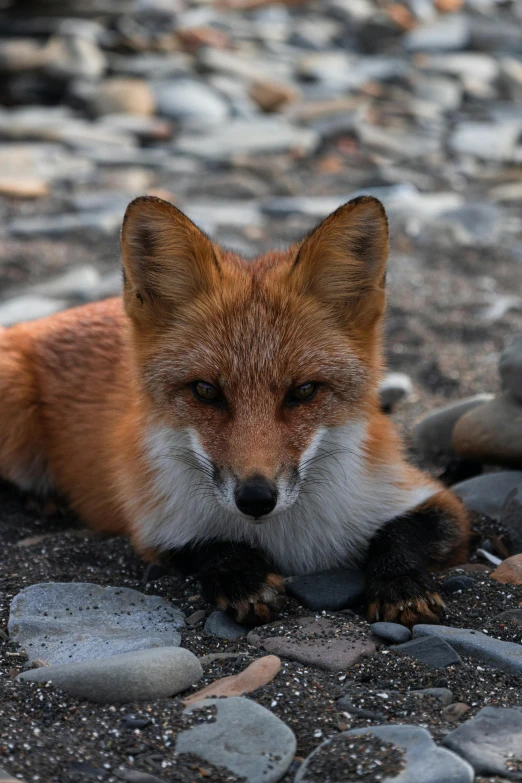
x: 221, y: 625
x: 487, y: 494
x: 391, y: 632
x: 491, y: 742
x: 435, y: 653
x: 66, y: 622
x: 331, y: 590
x: 506, y: 656
x: 245, y: 738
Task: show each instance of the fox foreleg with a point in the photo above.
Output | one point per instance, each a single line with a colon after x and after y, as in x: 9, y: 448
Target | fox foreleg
x: 433, y: 536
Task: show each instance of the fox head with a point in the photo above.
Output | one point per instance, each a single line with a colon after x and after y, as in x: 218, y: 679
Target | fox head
x: 256, y: 360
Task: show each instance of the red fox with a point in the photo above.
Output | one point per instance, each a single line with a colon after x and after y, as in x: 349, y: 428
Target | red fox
x: 224, y: 415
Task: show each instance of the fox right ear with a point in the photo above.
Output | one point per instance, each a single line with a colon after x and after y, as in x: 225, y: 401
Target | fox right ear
x: 167, y: 260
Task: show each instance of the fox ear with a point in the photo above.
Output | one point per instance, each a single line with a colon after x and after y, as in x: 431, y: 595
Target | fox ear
x: 167, y: 260
x: 343, y: 262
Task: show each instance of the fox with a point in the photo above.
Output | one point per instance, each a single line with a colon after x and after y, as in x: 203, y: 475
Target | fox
x: 223, y: 414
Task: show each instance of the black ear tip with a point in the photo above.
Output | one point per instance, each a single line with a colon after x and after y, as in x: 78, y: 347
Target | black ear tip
x: 367, y: 200
x: 144, y: 202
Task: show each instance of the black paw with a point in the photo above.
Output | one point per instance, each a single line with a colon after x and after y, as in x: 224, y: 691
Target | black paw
x: 408, y: 600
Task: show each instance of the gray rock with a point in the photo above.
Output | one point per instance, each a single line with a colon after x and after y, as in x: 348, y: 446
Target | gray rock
x: 346, y: 704
x: 134, y: 776
x: 49, y: 161
x: 5, y: 777
x: 190, y: 102
x: 506, y: 656
x: 247, y: 137
x: 472, y: 225
x: 432, y: 435
x: 511, y: 520
x: 142, y: 675
x: 490, y: 741
x: 75, y: 283
x: 510, y: 368
x: 447, y: 33
x: 391, y: 632
x: 488, y: 494
x: 224, y: 213
x: 28, y: 307
x: 423, y: 759
x: 394, y: 387
x: 221, y: 625
x: 245, y: 738
x: 435, y: 653
x: 102, y: 222
x: 332, y: 590
x: 443, y: 695
x: 66, y: 622
x: 442, y: 91
x: 470, y: 67
x: 454, y: 584
x: 486, y: 140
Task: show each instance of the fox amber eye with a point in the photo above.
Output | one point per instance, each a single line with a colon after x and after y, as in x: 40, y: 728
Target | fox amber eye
x: 303, y: 393
x: 205, y: 392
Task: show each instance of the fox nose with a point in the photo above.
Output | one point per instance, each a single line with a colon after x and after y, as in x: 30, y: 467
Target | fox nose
x: 256, y: 497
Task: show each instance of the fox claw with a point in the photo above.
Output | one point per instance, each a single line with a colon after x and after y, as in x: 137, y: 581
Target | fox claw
x: 259, y: 608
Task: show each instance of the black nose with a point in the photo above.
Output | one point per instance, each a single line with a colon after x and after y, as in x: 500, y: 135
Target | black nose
x: 256, y: 497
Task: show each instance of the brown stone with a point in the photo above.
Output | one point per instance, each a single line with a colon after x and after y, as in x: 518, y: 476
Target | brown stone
x: 510, y: 571
x: 449, y: 6
x: 256, y: 675
x: 121, y: 95
x: 491, y: 433
x: 317, y: 643
x: 23, y: 187
x: 272, y: 96
x: 454, y: 711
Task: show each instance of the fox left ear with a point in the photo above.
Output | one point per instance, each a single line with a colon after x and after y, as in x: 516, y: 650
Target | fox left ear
x: 343, y: 262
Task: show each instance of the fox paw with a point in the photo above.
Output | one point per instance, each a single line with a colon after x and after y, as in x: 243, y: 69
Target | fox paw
x: 405, y: 600
x: 258, y: 607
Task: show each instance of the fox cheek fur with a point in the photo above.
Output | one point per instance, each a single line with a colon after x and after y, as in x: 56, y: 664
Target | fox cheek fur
x: 226, y: 416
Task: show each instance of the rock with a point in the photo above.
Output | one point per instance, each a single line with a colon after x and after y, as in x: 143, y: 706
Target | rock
x: 418, y: 759
x: 102, y: 222
x: 248, y: 137
x: 454, y: 712
x: 123, y: 95
x: 134, y: 776
x: 435, y: 653
x: 49, y: 162
x: 394, y: 387
x: 510, y: 571
x: 28, y: 307
x: 66, y: 622
x: 510, y: 367
x: 74, y: 53
x: 143, y: 675
x: 273, y: 96
x: 487, y: 494
x: 5, y: 777
x: 506, y: 656
x: 256, y: 675
x: 76, y: 283
x: 472, y: 225
x: 24, y: 187
x: 511, y: 619
x: 221, y: 625
x: 332, y: 590
x: 346, y: 705
x: 190, y: 102
x: 22, y: 54
x: 448, y: 33
x: 224, y: 213
x: 196, y: 617
x: 492, y: 433
x: 443, y: 92
x: 315, y: 643
x: 432, y: 436
x: 443, y: 695
x: 245, y: 738
x: 391, y: 632
x: 454, y: 584
x: 486, y: 140
x: 490, y: 741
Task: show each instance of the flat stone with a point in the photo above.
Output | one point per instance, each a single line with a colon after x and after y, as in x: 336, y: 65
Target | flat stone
x: 190, y: 102
x: 435, y: 653
x: 443, y: 695
x: 123, y: 95
x: 454, y: 584
x: 510, y: 366
x: 49, y: 162
x: 28, y: 307
x: 196, y: 617
x: 432, y: 436
x: 257, y: 674
x: 331, y: 590
x: 509, y: 571
x: 511, y: 619
x: 394, y: 387
x: 23, y: 187
x: 487, y: 494
x: 135, y: 776
x: 447, y: 33
x: 454, y: 712
x: 486, y: 140
x: 491, y: 433
x: 247, y: 137
x: 221, y: 625
x: 316, y: 644
x: 5, y: 777
x: 142, y: 675
x: 423, y: 759
x: 391, y: 632
x: 506, y: 656
x: 102, y: 222
x: 245, y: 738
x: 64, y: 622
x: 490, y: 741
x: 75, y: 283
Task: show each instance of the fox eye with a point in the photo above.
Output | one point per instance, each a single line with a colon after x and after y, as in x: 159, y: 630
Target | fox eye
x: 205, y: 392
x: 303, y: 393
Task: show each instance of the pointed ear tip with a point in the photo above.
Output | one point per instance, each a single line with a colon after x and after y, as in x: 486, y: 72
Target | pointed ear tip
x: 145, y: 204
x: 371, y: 202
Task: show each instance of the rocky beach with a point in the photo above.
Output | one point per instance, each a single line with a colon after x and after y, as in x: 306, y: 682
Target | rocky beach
x: 258, y: 119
